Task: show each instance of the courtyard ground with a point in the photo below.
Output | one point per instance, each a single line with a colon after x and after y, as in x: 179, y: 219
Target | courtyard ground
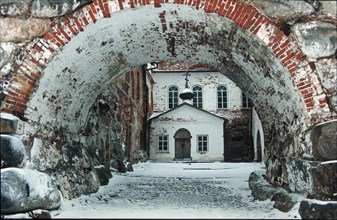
x: 176, y: 190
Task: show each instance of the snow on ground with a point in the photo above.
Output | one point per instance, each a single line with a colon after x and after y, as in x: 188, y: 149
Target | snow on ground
x: 176, y: 190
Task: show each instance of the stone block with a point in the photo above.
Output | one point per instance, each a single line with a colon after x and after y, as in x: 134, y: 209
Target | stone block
x: 324, y: 141
x: 299, y: 175
x: 14, y: 7
x: 12, y: 151
x: 48, y: 8
x: 104, y: 175
x: 316, y: 209
x: 316, y: 39
x: 24, y: 190
x: 325, y: 179
x: 8, y: 123
x: 74, y: 183
x: 285, y: 201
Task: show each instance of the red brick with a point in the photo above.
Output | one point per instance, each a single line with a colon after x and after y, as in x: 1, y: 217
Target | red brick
x: 239, y: 10
x: 309, y: 103
x: 221, y: 10
x: 93, y: 8
x: 59, y: 40
x: 71, y: 27
x: 7, y: 109
x: 206, y: 6
x: 323, y: 102
x: 85, y: 20
x: 236, y: 8
x: 18, y: 109
x: 244, y: 16
x: 215, y: 6
x: 287, y: 58
x: 157, y: 3
x: 21, y: 100
x: 93, y: 18
x: 308, y: 95
x: 256, y: 21
x: 280, y: 52
x: 106, y: 9
x: 304, y: 85
x: 120, y: 3
x: 285, y: 43
x: 263, y: 21
x: 299, y: 55
x: 293, y: 69
x: 228, y: 7
x: 278, y: 37
x: 60, y: 28
x: 78, y: 24
x: 132, y: 4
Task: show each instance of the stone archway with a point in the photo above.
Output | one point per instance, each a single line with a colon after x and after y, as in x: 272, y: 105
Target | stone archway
x: 61, y: 74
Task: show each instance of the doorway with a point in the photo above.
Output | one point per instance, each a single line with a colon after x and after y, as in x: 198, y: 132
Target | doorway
x: 182, y: 144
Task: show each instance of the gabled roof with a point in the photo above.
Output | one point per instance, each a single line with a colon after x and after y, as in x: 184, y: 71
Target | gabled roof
x: 189, y: 105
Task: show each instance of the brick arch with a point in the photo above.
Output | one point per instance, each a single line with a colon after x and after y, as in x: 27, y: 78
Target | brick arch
x: 42, y: 50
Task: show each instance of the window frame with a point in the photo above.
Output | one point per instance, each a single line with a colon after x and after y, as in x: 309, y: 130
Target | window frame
x: 202, y: 141
x: 246, y: 103
x: 161, y: 141
x: 224, y: 105
x: 198, y: 94
x: 175, y: 97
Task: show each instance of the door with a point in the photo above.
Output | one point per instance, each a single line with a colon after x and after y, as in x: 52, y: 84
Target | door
x: 182, y: 148
x: 182, y: 144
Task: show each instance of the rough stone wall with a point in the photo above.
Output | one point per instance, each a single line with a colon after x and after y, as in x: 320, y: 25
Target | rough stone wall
x: 291, y: 42
x: 133, y: 101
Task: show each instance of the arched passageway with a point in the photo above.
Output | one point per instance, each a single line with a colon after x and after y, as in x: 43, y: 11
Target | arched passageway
x: 64, y: 71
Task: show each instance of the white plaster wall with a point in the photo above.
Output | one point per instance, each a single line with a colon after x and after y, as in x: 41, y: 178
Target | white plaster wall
x: 257, y: 126
x: 197, y: 123
x: 207, y: 80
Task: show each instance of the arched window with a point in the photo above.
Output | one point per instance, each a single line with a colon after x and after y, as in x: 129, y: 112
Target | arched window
x: 172, y: 97
x: 197, y: 99
x: 222, y: 97
x: 246, y: 103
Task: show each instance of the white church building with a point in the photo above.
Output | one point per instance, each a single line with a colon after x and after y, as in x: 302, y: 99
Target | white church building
x: 200, y: 115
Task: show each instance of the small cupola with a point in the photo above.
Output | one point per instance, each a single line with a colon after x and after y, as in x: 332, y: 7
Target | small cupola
x: 186, y: 95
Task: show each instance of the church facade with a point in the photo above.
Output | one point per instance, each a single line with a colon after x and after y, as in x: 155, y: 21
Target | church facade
x: 215, y: 125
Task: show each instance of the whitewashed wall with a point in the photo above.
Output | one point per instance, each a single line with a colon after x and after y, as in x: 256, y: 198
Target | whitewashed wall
x: 197, y: 122
x: 207, y: 80
x: 257, y: 126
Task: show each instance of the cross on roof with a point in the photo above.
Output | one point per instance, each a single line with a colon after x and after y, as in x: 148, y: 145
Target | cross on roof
x: 186, y: 79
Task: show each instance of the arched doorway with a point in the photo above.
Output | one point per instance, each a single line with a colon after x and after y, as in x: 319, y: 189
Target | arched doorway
x: 182, y: 144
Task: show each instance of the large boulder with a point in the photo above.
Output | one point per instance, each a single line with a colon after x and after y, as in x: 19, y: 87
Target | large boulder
x: 74, y: 183
x: 19, y: 30
x: 24, y: 190
x: 324, y: 141
x: 316, y: 39
x: 52, y: 8
x: 285, y: 201
x: 14, y: 7
x: 298, y: 177
x: 325, y: 180
x: 12, y: 151
x: 317, y: 209
x: 284, y: 10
